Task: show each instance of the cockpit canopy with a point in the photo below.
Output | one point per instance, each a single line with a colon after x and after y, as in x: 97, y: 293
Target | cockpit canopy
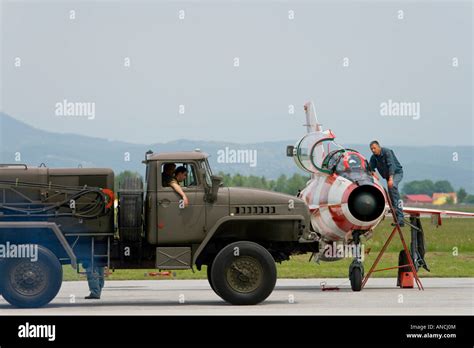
x: 344, y: 160
x: 318, y: 152
x: 309, y: 151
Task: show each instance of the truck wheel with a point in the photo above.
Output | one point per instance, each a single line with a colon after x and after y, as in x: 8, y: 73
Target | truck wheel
x: 30, y: 284
x: 209, y: 277
x: 243, y: 273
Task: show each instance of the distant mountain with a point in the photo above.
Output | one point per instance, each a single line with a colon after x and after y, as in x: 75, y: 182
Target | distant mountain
x: 65, y: 150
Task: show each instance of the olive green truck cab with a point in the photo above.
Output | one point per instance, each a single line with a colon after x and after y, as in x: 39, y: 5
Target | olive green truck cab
x: 69, y: 214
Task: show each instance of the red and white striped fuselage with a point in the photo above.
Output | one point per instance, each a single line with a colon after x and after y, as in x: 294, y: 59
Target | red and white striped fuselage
x: 327, y: 196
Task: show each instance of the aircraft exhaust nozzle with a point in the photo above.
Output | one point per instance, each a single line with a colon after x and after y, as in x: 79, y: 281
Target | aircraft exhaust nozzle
x: 366, y: 203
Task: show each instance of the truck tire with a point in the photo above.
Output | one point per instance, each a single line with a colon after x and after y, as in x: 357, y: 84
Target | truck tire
x: 130, y: 211
x: 243, y: 273
x: 209, y: 278
x: 31, y: 284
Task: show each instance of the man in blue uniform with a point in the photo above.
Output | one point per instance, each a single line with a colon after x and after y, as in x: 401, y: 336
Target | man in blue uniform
x: 387, y: 164
x: 95, y: 280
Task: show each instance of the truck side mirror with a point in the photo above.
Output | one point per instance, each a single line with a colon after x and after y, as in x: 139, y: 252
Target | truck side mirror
x: 216, y: 183
x: 290, y: 150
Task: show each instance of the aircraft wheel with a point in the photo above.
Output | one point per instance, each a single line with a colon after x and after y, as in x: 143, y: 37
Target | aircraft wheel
x: 356, y: 275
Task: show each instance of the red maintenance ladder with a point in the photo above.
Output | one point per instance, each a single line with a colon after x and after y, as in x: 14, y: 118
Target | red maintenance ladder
x: 405, y: 248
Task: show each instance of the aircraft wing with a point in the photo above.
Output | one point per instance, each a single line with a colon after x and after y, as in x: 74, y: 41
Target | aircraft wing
x: 435, y: 213
x: 416, y: 210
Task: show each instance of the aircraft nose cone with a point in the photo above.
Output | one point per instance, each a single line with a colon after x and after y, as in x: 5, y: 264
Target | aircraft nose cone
x: 366, y: 203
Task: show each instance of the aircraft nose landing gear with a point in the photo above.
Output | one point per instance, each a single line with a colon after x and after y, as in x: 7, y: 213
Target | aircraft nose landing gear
x: 356, y: 269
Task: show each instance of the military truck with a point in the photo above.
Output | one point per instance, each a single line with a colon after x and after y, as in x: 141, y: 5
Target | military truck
x: 74, y: 217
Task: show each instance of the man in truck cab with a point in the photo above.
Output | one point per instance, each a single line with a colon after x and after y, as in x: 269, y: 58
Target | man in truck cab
x: 180, y: 175
x: 168, y: 174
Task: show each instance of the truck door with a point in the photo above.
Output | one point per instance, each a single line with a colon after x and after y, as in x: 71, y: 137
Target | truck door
x: 176, y: 223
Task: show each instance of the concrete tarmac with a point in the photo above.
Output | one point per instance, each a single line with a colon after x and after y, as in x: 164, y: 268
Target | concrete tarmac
x: 442, y: 296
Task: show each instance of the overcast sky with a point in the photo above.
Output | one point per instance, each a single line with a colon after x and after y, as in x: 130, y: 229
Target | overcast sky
x: 287, y: 52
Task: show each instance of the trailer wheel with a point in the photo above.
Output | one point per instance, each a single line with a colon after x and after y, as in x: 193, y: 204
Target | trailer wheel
x: 243, y: 273
x: 2, y: 275
x: 32, y: 283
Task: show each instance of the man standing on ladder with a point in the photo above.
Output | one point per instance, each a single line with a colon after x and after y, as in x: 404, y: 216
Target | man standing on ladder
x: 387, y: 164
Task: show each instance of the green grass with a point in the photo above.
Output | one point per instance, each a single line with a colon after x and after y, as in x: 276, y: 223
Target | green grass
x: 442, y: 243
